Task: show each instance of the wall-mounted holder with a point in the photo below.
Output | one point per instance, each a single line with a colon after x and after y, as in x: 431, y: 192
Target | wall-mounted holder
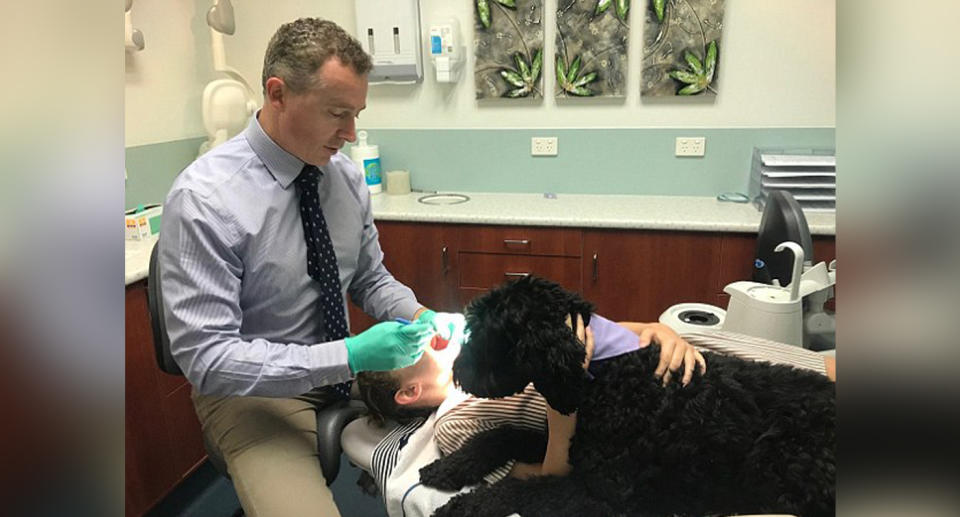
x: 132, y: 38
x: 389, y: 30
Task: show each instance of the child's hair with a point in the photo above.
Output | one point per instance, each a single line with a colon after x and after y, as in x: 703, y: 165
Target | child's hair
x: 377, y: 390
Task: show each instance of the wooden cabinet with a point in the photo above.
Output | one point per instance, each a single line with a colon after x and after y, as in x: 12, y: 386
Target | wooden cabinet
x: 447, y: 265
x: 487, y: 270
x: 491, y: 255
x: 521, y: 240
x: 635, y: 275
x: 628, y: 274
x: 422, y: 256
x: 163, y: 440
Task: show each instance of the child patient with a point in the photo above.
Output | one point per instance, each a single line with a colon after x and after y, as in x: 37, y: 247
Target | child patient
x: 427, y: 386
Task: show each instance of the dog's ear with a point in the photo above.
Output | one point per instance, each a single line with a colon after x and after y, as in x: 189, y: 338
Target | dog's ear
x: 553, y: 358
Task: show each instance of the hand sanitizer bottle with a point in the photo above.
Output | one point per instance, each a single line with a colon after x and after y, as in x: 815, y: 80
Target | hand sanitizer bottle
x: 367, y: 158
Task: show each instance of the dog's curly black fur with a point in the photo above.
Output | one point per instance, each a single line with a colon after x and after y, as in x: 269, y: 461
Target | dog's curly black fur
x: 746, y: 437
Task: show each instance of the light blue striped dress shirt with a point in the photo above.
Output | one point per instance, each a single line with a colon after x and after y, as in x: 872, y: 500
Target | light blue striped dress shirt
x: 240, y: 308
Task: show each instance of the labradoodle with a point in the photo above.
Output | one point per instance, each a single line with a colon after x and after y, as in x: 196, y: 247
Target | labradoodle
x: 746, y: 437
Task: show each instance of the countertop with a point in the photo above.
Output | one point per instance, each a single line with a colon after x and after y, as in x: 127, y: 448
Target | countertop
x: 136, y: 256
x: 687, y: 213
x: 589, y: 211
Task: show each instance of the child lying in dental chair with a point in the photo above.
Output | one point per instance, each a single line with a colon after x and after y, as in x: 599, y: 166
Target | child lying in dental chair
x: 427, y: 387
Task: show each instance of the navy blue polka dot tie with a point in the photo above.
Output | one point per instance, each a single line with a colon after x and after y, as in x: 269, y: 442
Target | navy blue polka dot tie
x: 322, y: 261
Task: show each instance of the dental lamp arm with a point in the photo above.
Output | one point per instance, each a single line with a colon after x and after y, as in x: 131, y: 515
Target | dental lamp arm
x: 133, y: 38
x: 221, y: 21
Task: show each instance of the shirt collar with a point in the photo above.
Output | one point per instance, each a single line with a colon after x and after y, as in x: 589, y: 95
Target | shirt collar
x: 284, y: 166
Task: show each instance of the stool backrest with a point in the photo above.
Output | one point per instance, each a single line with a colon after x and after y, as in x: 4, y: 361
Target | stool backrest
x: 161, y: 341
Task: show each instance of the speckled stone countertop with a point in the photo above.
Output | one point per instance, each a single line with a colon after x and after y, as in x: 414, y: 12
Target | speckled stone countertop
x: 577, y: 210
x: 589, y: 211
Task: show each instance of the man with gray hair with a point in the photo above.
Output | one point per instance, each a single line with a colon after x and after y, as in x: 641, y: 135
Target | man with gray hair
x: 262, y: 239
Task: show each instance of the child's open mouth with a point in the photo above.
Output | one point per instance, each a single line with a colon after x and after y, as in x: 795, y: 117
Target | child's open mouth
x: 438, y: 343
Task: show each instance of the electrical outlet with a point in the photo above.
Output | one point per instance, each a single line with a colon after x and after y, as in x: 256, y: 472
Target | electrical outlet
x: 543, y: 146
x: 691, y: 146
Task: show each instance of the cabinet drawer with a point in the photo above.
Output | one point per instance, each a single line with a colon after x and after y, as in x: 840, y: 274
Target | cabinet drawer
x: 486, y: 270
x: 522, y: 240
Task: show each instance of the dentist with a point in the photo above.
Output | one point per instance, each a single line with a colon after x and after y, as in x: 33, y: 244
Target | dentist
x: 263, y: 238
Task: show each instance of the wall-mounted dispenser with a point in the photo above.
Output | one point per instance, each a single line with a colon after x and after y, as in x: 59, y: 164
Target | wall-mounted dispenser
x: 447, y: 51
x: 389, y: 31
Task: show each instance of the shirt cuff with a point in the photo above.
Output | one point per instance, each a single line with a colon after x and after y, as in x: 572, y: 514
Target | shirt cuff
x: 328, y: 363
x: 407, y: 308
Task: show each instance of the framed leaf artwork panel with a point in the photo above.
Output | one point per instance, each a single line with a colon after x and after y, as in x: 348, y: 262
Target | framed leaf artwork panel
x: 508, y: 46
x: 591, y: 55
x: 681, y: 47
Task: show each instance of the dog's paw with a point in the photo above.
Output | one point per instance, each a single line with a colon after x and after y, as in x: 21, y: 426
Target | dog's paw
x: 437, y: 475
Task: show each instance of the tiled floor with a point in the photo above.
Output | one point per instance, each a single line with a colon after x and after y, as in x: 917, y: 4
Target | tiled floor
x: 208, y: 494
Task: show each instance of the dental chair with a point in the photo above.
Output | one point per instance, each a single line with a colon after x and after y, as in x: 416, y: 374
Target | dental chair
x: 330, y: 420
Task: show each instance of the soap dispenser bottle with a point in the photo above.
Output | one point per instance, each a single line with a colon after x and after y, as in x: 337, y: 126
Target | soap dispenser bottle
x: 367, y: 158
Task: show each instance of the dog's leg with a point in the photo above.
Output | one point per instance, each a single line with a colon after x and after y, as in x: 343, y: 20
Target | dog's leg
x: 483, y: 454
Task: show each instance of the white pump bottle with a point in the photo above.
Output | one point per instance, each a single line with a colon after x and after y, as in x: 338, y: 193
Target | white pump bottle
x: 367, y: 158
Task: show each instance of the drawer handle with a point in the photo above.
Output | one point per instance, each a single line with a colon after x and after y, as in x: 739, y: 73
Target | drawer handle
x: 596, y: 267
x: 516, y: 242
x: 443, y: 257
x: 516, y: 275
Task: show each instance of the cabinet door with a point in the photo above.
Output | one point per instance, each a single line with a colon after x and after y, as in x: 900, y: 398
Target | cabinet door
x: 636, y: 275
x: 423, y: 257
x: 150, y: 467
x: 163, y: 439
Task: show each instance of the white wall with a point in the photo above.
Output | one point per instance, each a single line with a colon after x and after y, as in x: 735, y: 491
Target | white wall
x: 777, y: 70
x: 165, y: 81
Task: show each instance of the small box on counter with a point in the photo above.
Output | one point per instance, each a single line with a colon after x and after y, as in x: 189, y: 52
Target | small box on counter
x: 143, y: 221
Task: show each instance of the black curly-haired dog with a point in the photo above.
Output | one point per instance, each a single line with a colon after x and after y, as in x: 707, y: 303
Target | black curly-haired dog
x: 746, y: 437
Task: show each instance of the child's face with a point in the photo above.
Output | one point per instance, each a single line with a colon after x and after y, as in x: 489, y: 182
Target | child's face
x: 427, y: 382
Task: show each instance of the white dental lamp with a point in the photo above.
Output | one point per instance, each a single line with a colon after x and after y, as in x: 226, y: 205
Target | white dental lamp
x: 227, y: 103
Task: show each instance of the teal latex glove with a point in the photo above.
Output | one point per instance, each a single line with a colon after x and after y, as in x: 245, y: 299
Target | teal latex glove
x: 449, y: 325
x: 387, y: 346
x: 427, y: 316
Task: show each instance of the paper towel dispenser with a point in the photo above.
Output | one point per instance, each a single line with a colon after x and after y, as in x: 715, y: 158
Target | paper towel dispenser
x: 389, y: 30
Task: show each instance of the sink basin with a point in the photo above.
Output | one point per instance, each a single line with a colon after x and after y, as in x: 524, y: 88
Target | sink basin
x: 443, y: 199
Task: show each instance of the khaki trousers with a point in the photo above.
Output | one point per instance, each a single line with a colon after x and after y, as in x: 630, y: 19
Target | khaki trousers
x: 270, y: 448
